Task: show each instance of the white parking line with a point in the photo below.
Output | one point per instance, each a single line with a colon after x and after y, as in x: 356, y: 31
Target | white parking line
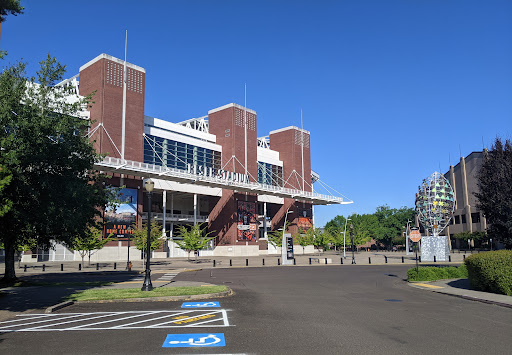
x: 68, y: 321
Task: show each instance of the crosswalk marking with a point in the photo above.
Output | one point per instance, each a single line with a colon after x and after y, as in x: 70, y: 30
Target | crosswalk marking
x: 168, y: 277
x: 116, y: 320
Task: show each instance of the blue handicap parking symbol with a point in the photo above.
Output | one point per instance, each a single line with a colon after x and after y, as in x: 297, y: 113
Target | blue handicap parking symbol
x: 194, y: 340
x: 200, y: 304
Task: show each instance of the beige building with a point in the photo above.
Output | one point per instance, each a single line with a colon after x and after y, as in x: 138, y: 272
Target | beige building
x: 463, y: 178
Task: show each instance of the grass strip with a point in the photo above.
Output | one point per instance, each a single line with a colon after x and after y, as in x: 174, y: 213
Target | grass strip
x: 433, y: 273
x: 125, y: 293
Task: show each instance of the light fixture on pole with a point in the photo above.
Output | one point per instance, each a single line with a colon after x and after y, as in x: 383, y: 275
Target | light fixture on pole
x: 352, y: 242
x: 149, y: 185
x: 345, y: 232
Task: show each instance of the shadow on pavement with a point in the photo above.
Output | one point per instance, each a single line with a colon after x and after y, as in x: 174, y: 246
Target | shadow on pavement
x: 461, y: 283
x: 43, y: 291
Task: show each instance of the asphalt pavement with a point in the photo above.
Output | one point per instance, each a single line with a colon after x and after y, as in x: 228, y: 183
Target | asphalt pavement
x: 326, y: 309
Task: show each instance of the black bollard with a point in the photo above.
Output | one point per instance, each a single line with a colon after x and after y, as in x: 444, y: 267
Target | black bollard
x: 278, y: 261
x: 230, y: 262
x: 369, y: 260
x: 61, y: 267
x: 213, y: 262
x: 341, y: 261
x: 25, y: 268
x: 309, y: 261
x: 97, y: 266
x: 463, y: 257
x: 402, y: 259
x: 386, y: 259
x: 263, y: 262
x: 79, y: 267
x: 294, y: 262
x: 246, y: 262
x: 115, y: 266
x: 44, y: 267
x: 449, y: 258
x: 325, y: 261
x: 419, y: 258
x: 435, y: 259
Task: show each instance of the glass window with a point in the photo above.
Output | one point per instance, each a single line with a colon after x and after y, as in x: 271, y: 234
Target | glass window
x: 463, y: 217
x: 457, y: 219
x: 475, y: 217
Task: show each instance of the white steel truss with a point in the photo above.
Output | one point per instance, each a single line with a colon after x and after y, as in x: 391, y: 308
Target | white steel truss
x: 199, y: 124
x: 263, y: 142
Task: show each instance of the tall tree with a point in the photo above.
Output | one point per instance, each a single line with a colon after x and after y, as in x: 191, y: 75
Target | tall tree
x: 53, y: 191
x: 10, y: 7
x: 495, y: 191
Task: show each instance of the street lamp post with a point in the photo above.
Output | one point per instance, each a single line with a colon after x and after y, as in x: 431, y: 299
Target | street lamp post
x: 148, y: 286
x: 345, y: 232
x: 352, y: 242
x: 407, y: 237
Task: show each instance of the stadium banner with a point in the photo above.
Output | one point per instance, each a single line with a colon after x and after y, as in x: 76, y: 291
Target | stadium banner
x: 247, y: 221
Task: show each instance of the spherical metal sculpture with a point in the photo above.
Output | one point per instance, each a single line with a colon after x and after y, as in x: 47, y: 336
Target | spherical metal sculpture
x: 435, y: 203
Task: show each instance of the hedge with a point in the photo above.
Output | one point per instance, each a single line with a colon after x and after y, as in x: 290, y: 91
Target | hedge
x: 432, y: 273
x: 491, y: 271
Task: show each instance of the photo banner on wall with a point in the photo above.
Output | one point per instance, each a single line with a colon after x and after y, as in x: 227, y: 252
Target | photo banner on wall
x: 120, y: 217
x: 247, y: 221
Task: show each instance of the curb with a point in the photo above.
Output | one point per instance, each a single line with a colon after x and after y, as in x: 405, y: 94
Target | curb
x: 466, y: 297
x: 227, y: 293
x: 58, y: 306
x: 470, y: 298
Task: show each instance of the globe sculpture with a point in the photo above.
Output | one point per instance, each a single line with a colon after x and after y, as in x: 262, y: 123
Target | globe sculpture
x: 435, y: 203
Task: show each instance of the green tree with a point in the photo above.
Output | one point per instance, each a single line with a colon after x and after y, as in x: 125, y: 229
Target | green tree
x: 495, y: 191
x: 53, y: 189
x: 5, y: 179
x: 194, y: 238
x: 140, y: 236
x: 321, y: 239
x: 89, y: 241
x: 363, y: 227
x: 305, y: 238
x: 10, y: 7
x: 390, y: 222
x: 276, y: 237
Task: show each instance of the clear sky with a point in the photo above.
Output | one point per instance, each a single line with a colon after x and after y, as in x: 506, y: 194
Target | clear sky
x: 391, y: 90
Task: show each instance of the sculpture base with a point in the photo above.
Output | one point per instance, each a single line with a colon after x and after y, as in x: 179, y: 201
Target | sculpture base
x: 435, y: 246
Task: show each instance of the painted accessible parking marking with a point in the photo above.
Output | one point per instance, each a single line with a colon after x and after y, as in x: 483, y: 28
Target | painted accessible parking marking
x: 194, y: 340
x: 200, y: 304
x: 116, y: 320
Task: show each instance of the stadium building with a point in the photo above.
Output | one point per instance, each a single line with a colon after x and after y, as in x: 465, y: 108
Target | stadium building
x: 212, y: 169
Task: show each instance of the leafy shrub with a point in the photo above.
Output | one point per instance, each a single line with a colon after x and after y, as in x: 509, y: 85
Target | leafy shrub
x: 491, y: 271
x: 432, y: 273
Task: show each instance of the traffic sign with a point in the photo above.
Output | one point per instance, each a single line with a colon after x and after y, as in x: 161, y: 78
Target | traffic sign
x: 415, y: 235
x: 194, y: 340
x: 200, y: 304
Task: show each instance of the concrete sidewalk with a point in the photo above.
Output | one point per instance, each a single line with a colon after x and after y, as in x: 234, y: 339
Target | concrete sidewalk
x: 461, y: 288
x: 331, y: 258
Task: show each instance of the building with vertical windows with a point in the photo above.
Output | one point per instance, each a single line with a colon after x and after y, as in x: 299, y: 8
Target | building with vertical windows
x: 213, y: 169
x: 463, y: 179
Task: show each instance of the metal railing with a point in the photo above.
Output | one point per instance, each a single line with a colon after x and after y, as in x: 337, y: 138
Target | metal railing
x: 165, y: 173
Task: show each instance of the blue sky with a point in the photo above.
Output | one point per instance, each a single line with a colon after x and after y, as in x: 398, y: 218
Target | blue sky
x: 391, y: 90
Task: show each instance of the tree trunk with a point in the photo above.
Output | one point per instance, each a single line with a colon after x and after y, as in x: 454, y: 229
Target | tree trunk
x: 10, y: 273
